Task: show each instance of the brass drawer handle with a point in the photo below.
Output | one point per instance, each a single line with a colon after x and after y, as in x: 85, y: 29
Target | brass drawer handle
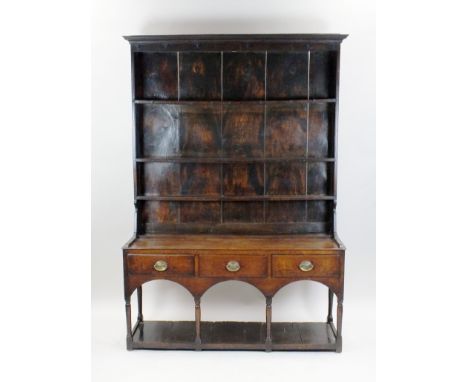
x: 306, y: 266
x: 233, y: 266
x: 160, y: 265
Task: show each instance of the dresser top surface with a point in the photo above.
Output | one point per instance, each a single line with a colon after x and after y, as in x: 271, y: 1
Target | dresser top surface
x: 234, y: 42
x: 235, y: 242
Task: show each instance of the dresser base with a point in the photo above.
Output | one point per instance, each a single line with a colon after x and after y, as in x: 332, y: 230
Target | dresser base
x: 267, y: 263
x: 234, y: 336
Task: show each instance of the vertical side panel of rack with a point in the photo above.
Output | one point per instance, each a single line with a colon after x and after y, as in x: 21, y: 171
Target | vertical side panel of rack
x: 335, y: 138
x: 135, y: 142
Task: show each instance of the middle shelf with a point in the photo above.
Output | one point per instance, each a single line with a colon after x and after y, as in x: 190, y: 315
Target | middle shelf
x: 204, y: 198
x: 201, y: 159
x: 273, y: 130
x: 288, y: 180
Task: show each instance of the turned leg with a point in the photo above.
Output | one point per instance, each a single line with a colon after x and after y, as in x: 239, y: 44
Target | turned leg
x: 128, y: 311
x: 268, y: 324
x: 197, y: 324
x: 339, y: 320
x: 330, y: 306
x: 140, y: 303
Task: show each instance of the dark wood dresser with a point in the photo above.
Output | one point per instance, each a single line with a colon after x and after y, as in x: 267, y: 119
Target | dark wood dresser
x: 235, y: 142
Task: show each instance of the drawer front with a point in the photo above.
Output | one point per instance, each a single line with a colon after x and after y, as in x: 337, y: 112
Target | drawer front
x: 161, y: 264
x: 305, y: 265
x: 233, y: 266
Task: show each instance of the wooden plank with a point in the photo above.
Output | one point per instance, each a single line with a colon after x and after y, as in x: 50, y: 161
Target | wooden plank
x: 230, y: 160
x: 231, y: 102
x: 272, y: 42
x: 155, y: 75
x: 200, y: 198
x: 287, y: 75
x: 313, y: 334
x: 238, y: 37
x: 207, y: 225
x: 200, y: 76
x: 230, y: 335
x: 165, y: 335
x: 234, y: 242
x: 285, y: 333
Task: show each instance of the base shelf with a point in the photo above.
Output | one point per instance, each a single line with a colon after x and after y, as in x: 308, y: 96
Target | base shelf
x: 234, y: 335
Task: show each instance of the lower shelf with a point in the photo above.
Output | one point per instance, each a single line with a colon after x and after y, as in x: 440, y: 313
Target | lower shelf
x: 234, y: 335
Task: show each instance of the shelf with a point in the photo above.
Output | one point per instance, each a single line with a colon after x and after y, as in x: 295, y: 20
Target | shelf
x: 234, y: 335
x: 178, y: 159
x: 214, y: 102
x: 204, y: 198
x: 207, y: 242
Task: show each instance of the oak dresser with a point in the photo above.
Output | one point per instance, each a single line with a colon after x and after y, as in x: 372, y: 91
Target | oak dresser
x: 235, y: 178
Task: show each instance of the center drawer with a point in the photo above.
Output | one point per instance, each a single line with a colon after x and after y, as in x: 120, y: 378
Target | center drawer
x: 161, y: 264
x: 233, y: 265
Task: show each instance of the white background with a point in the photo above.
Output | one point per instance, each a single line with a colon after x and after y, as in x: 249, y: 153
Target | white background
x: 112, y: 193
x: 45, y: 196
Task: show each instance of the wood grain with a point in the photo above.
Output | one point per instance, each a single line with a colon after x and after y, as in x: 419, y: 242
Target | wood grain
x: 288, y: 265
x: 322, y: 82
x: 156, y: 75
x: 243, y: 179
x: 200, y: 179
x: 243, y: 130
x: 200, y: 130
x: 158, y: 130
x: 285, y: 178
x: 228, y: 335
x: 286, y: 131
x: 243, y: 212
x: 200, y: 76
x: 161, y: 179
x: 287, y: 211
x: 243, y: 75
x: 318, y: 179
x: 250, y: 265
x: 158, y: 212
x: 321, y: 117
x: 200, y: 212
x: 176, y: 264
x: 287, y: 75
x: 235, y: 242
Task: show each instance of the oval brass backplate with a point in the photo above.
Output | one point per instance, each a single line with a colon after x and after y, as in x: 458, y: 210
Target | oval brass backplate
x: 233, y: 266
x: 306, y: 266
x: 160, y: 265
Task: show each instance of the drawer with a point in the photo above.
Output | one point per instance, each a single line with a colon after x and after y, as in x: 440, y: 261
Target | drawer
x: 233, y: 265
x: 161, y: 264
x: 305, y: 265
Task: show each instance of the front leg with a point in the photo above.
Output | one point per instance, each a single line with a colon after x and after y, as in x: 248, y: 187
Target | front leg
x: 339, y: 322
x: 268, y: 324
x: 128, y: 311
x: 197, y: 324
x: 330, y: 306
x: 140, y: 303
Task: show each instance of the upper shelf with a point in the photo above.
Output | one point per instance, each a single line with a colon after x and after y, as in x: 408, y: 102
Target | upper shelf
x: 205, y: 102
x: 220, y: 75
